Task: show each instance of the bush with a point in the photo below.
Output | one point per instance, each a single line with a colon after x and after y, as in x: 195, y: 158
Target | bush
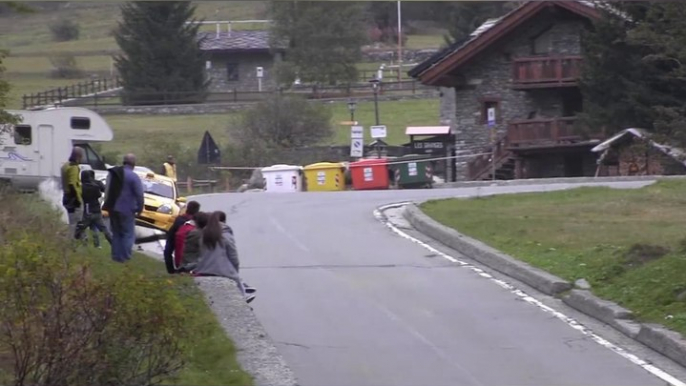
x: 65, y: 67
x: 68, y: 321
x: 65, y: 30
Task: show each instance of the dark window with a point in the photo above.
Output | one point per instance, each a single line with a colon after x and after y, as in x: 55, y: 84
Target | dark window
x: 232, y: 71
x: 80, y: 123
x: 22, y: 135
x: 486, y: 104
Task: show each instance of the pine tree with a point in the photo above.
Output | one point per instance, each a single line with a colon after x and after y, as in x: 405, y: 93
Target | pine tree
x: 462, y: 18
x: 324, y: 39
x: 161, y: 61
x: 634, y: 74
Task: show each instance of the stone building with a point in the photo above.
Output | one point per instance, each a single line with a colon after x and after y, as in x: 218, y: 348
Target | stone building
x: 525, y: 66
x: 234, y: 57
x: 633, y: 152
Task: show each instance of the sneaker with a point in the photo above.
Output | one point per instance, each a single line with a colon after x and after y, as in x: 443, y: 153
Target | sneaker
x: 249, y: 298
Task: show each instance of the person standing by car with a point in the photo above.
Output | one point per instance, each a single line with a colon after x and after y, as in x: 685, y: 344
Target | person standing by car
x: 124, y: 201
x: 169, y: 168
x: 71, y: 188
x: 92, y: 214
x: 192, y: 208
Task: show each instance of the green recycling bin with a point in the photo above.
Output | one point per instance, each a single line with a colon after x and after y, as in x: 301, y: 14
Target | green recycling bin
x: 412, y: 171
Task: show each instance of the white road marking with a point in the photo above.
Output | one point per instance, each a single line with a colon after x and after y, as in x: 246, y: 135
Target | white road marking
x: 378, y: 213
x: 290, y: 236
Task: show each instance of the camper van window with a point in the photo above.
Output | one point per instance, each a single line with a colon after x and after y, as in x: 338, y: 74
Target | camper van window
x: 22, y: 135
x: 80, y: 123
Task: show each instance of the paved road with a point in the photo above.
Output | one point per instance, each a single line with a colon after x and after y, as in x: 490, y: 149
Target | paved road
x: 350, y: 303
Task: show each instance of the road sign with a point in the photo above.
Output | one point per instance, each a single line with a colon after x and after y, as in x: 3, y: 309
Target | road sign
x: 378, y: 131
x: 356, y: 147
x: 356, y: 132
x: 209, y: 151
x: 491, y: 116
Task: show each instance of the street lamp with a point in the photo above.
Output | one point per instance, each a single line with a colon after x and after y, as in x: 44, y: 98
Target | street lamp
x: 351, y: 107
x: 375, y: 85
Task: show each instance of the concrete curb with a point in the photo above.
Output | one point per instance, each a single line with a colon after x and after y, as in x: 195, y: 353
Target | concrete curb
x: 537, y: 278
x: 664, y: 341
x: 256, y: 352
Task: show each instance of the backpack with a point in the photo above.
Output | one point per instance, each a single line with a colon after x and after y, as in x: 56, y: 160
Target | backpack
x: 179, y: 242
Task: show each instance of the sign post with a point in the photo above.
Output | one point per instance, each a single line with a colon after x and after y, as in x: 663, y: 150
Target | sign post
x: 260, y: 75
x: 356, y: 141
x: 491, y: 124
x: 378, y: 132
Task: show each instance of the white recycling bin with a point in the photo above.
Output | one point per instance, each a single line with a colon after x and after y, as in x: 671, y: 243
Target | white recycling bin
x: 283, y: 178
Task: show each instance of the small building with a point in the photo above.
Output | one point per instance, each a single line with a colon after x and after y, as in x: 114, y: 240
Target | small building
x: 524, y: 68
x: 633, y: 152
x: 234, y: 58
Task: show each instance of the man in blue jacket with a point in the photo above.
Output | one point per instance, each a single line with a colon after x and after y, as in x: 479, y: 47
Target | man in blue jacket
x: 123, y: 201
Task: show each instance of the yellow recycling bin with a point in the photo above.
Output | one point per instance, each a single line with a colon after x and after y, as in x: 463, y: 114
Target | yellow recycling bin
x: 324, y: 177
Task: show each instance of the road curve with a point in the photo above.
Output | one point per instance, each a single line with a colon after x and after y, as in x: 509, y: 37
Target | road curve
x: 350, y: 303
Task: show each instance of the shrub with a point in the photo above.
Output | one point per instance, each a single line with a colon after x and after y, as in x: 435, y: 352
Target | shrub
x: 65, y: 30
x: 68, y: 321
x: 65, y: 67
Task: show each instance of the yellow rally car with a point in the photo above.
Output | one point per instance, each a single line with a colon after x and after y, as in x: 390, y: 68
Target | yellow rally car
x: 162, y: 202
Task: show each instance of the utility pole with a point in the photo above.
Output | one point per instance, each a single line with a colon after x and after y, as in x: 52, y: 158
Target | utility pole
x: 375, y: 86
x: 400, y: 43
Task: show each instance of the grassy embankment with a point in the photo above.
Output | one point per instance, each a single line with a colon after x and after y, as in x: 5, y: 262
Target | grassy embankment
x: 32, y: 234
x: 630, y: 245
x: 29, y: 40
x: 30, y: 43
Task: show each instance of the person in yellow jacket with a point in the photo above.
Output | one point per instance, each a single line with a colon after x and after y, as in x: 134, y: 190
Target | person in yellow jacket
x: 169, y: 168
x: 71, y: 188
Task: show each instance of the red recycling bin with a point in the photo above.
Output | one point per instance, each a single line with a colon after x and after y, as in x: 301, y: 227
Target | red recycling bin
x: 368, y: 174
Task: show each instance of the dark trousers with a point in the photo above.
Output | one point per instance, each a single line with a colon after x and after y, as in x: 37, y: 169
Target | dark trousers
x: 123, y: 235
x: 96, y: 223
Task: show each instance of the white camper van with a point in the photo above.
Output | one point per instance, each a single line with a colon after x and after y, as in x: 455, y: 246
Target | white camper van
x: 35, y: 149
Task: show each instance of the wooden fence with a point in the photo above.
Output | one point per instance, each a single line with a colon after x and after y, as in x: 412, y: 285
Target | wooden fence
x: 91, y: 94
x: 74, y: 92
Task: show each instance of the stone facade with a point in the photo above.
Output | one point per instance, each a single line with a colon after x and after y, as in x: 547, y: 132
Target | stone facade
x: 638, y: 158
x: 238, y: 71
x: 488, y: 82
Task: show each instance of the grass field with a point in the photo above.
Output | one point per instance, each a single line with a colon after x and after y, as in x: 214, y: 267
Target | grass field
x: 134, y: 132
x: 29, y: 40
x: 629, y: 244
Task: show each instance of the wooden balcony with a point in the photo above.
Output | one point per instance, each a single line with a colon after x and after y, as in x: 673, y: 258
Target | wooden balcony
x: 546, y: 132
x: 546, y: 72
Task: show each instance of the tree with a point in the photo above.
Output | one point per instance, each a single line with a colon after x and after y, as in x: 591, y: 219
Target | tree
x: 161, y: 60
x: 462, y: 18
x: 7, y: 119
x: 278, y: 123
x: 634, y: 74
x: 324, y: 39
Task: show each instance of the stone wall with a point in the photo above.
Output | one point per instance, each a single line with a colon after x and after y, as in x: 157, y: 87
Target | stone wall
x: 247, y: 64
x: 489, y: 78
